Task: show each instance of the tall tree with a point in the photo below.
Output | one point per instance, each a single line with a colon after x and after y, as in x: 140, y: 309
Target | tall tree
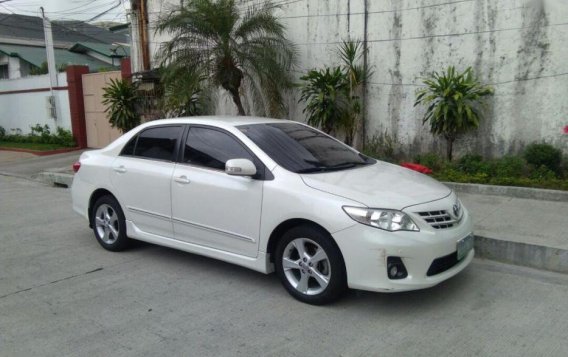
x: 453, y: 103
x: 239, y: 51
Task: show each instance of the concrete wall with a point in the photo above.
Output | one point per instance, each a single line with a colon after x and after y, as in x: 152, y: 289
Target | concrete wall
x: 27, y: 107
x: 519, y: 46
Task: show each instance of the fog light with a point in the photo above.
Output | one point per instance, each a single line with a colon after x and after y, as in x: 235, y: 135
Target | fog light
x: 396, y: 268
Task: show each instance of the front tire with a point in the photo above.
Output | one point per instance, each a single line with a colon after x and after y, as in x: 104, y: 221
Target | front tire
x: 109, y: 224
x: 310, y: 265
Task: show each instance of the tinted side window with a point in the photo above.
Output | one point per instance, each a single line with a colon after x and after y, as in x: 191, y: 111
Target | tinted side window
x: 158, y: 143
x: 128, y: 149
x: 212, y: 148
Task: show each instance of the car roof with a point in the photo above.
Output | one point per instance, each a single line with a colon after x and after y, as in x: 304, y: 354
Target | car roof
x: 219, y: 120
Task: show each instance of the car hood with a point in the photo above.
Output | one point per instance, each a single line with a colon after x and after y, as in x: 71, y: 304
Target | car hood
x: 381, y: 185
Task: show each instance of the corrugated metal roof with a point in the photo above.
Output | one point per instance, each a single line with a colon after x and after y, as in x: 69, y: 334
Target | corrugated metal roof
x: 101, y: 48
x: 37, y: 55
x: 31, y: 27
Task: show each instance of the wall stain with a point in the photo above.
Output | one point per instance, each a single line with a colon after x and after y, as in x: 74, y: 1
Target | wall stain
x: 532, y: 60
x: 396, y: 91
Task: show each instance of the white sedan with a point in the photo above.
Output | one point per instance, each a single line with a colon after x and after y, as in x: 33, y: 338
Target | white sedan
x: 274, y: 195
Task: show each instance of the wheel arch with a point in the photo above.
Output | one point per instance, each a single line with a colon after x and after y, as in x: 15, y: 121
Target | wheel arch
x: 98, y: 193
x: 289, y: 224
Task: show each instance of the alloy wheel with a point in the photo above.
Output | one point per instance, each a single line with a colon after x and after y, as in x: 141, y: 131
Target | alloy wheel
x: 106, y: 222
x: 306, y: 266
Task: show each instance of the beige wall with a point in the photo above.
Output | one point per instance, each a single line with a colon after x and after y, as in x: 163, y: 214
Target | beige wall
x: 99, y: 131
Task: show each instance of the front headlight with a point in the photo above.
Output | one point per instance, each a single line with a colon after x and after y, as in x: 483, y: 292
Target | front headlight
x: 389, y: 220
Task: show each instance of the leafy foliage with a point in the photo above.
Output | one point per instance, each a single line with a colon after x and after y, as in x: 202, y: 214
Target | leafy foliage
x: 185, y: 96
x: 325, y: 94
x: 351, y: 54
x: 453, y: 103
x: 120, y: 99
x: 543, y: 155
x: 41, y: 134
x: 213, y: 42
x: 2, y: 133
x: 383, y: 146
x: 333, y: 95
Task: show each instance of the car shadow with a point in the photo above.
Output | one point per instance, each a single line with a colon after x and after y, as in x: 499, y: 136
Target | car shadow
x: 419, y: 299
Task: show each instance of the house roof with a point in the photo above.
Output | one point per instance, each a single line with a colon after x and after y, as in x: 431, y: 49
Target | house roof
x: 101, y: 48
x: 31, y: 28
x: 37, y: 55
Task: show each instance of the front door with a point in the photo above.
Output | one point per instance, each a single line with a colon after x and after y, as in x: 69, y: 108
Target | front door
x: 210, y: 207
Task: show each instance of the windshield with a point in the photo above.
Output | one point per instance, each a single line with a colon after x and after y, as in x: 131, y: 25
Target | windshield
x: 301, y: 149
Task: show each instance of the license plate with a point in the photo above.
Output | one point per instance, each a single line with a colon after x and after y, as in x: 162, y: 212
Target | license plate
x: 464, y: 246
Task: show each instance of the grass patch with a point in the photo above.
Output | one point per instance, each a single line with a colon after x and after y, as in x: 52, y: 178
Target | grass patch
x: 31, y: 146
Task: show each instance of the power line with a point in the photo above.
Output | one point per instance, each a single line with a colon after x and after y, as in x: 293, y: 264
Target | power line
x: 379, y: 11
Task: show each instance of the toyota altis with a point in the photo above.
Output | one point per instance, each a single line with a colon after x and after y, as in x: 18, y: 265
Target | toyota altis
x: 274, y: 195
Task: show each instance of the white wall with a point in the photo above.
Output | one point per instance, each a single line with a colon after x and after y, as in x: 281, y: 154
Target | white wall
x: 520, y: 46
x: 22, y: 110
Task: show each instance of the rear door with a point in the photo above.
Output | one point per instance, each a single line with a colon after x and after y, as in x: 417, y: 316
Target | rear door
x: 142, y: 177
x: 210, y: 207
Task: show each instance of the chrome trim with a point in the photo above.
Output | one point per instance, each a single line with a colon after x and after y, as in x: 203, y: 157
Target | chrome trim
x: 148, y: 213
x: 227, y: 233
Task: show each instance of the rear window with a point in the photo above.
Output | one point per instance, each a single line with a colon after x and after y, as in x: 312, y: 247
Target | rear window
x: 154, y: 143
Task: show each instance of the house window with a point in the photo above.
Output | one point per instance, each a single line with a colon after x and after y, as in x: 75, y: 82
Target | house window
x: 4, y: 74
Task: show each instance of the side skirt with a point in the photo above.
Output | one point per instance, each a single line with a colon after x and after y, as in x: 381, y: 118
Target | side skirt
x: 261, y: 263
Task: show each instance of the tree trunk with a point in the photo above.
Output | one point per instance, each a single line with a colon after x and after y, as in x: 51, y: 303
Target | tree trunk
x: 237, y: 101
x: 450, y: 148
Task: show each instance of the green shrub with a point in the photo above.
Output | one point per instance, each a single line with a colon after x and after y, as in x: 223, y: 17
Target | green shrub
x: 544, y: 155
x: 64, y: 137
x: 473, y: 164
x: 542, y: 173
x: 430, y: 160
x: 382, y: 146
x: 509, y: 166
x: 2, y: 133
x: 42, y: 135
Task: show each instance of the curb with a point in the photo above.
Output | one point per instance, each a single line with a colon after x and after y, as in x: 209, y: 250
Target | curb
x: 522, y: 254
x: 41, y: 153
x: 510, y: 191
x: 55, y: 178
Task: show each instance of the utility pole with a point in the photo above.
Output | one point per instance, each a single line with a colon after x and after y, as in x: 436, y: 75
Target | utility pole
x: 50, y: 64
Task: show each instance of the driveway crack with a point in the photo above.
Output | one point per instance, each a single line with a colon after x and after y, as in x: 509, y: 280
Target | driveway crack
x: 51, y: 282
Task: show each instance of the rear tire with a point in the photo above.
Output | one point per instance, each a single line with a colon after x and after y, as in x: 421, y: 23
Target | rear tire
x: 109, y: 225
x: 310, y: 265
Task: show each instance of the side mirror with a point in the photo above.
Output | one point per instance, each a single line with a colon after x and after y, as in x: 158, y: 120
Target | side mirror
x: 240, y: 167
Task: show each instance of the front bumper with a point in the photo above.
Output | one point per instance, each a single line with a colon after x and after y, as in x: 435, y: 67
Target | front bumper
x: 365, y: 250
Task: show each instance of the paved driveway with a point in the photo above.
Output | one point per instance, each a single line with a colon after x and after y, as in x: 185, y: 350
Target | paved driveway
x: 61, y: 294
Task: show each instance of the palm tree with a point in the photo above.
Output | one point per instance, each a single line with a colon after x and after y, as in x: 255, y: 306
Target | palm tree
x: 244, y: 52
x: 453, y: 103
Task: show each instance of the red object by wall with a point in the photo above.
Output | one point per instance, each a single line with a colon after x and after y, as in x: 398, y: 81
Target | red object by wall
x: 417, y: 167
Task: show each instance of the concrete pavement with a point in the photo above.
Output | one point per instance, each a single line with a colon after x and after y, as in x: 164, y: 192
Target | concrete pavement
x: 62, y: 294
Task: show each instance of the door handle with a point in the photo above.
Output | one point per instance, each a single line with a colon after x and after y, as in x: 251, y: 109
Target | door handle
x: 120, y: 169
x: 182, y: 179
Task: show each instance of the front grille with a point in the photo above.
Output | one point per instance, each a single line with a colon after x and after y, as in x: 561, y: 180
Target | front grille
x: 438, y: 219
x: 440, y: 265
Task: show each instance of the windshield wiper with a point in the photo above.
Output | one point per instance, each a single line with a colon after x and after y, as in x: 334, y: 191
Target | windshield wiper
x: 347, y: 165
x: 340, y: 166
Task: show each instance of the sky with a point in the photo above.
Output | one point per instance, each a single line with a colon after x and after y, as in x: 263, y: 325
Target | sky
x: 69, y: 9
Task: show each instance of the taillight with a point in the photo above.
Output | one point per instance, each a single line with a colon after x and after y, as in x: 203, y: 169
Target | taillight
x: 76, y: 166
